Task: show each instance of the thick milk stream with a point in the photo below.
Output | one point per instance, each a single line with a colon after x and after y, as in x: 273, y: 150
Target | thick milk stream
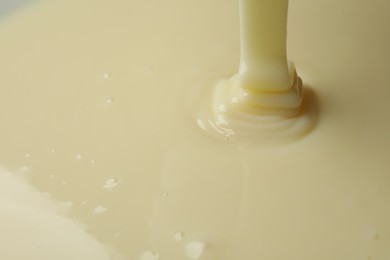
x: 263, y: 33
x: 99, y: 109
x: 265, y: 101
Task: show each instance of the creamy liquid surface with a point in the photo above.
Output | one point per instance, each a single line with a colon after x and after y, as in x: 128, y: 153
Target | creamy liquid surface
x: 98, y: 109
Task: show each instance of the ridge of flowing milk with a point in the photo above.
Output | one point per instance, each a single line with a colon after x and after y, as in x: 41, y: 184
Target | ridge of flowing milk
x: 264, y: 99
x: 97, y: 107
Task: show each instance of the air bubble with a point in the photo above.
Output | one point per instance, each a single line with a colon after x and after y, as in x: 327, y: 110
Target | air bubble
x: 106, y: 75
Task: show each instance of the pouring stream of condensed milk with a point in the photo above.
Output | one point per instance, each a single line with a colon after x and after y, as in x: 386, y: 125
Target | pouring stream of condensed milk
x: 265, y: 81
x: 265, y: 99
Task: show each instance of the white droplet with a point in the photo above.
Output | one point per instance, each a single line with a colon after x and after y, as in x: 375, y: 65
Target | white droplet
x: 79, y: 156
x: 53, y: 150
x: 93, y: 161
x: 27, y: 155
x: 106, y: 75
x: 100, y: 210
x: 194, y: 250
x: 110, y: 184
x: 52, y: 176
x: 63, y: 183
x: 110, y: 100
x: 148, y: 255
x: 178, y: 236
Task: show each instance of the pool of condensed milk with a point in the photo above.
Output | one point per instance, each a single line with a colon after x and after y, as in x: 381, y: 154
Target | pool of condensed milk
x: 102, y: 156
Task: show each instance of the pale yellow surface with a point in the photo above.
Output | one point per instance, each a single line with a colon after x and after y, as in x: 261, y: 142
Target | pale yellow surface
x: 99, y: 99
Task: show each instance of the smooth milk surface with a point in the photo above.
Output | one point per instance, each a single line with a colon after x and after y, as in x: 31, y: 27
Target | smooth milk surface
x: 99, y: 106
